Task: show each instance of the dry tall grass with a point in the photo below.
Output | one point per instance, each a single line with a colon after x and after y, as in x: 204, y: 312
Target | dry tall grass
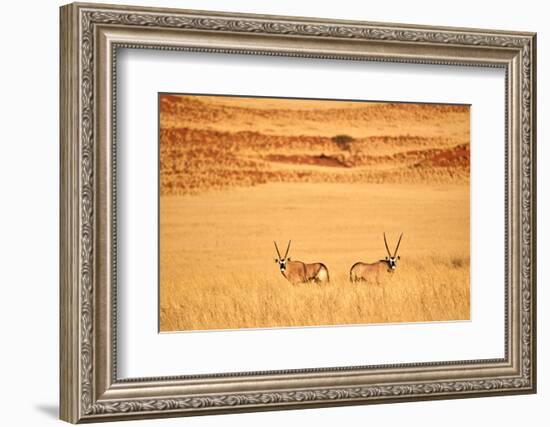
x: 420, y: 290
x: 217, y: 265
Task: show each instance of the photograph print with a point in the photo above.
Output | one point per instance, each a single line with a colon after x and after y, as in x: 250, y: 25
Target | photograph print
x: 287, y: 212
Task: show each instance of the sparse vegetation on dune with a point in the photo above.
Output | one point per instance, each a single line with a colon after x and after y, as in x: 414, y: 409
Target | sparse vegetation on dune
x: 198, y: 160
x: 221, y: 142
x: 310, y: 117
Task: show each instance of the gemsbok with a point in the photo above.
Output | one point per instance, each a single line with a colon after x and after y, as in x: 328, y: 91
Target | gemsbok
x: 372, y: 272
x: 297, y: 272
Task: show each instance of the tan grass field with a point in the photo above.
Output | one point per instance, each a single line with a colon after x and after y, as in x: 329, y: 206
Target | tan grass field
x: 228, y: 191
x: 241, y: 287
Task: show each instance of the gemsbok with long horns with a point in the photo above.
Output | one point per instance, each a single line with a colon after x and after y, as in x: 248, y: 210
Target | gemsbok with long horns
x: 372, y: 272
x: 297, y: 272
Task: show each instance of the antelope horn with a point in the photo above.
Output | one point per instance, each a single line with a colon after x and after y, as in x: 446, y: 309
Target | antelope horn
x: 277, y: 249
x: 287, y: 248
x: 386, y: 243
x: 398, y: 243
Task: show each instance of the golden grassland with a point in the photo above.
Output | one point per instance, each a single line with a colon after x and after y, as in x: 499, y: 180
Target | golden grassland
x: 238, y: 173
x: 217, y: 255
x: 434, y: 291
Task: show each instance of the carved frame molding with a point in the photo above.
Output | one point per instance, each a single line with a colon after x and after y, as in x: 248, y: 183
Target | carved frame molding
x: 90, y: 37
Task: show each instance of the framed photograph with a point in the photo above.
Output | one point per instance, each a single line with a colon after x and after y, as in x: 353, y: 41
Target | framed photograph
x: 265, y: 212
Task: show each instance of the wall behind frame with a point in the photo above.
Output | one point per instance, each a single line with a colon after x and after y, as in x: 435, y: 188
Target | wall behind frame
x: 29, y: 182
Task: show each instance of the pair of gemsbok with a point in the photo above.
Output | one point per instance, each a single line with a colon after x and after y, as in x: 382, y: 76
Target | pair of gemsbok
x: 297, y: 272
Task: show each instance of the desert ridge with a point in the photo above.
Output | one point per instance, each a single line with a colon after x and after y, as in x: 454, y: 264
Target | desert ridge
x: 231, y: 142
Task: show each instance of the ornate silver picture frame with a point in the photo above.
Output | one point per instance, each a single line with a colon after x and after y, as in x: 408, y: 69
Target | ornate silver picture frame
x: 91, y: 36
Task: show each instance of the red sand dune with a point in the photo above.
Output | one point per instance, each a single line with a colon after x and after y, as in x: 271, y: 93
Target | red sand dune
x: 211, y: 143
